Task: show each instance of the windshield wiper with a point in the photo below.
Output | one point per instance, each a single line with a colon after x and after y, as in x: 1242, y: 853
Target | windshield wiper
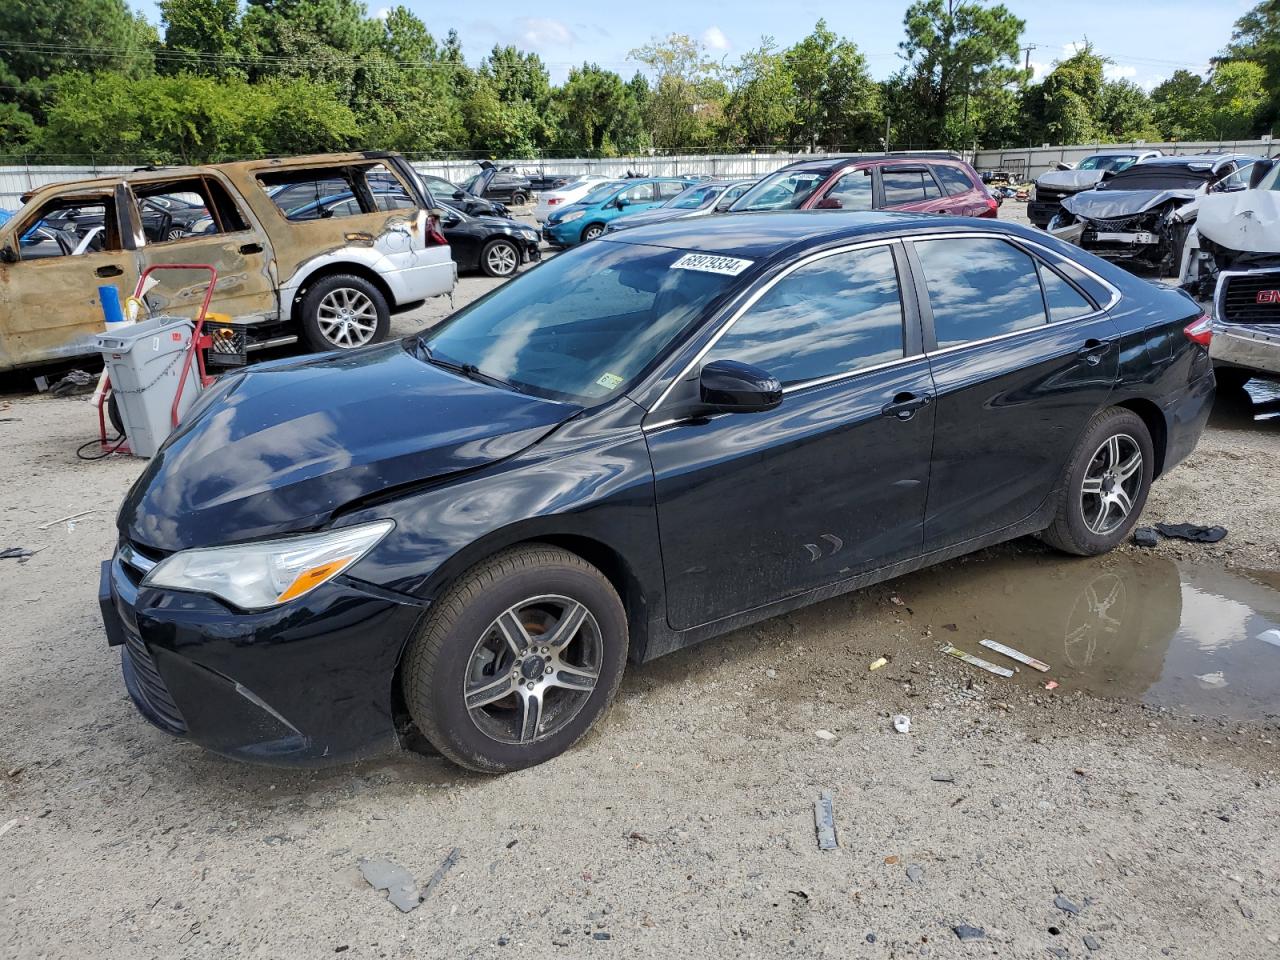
x: 468, y: 370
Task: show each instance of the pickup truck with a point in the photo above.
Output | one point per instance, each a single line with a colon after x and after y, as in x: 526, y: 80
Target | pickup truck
x: 330, y: 279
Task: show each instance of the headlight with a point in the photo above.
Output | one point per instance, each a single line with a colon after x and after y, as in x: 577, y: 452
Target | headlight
x: 575, y: 215
x: 254, y: 576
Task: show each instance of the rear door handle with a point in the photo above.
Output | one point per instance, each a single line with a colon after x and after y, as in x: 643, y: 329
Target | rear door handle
x: 904, y: 405
x: 251, y: 248
x: 110, y: 270
x: 1094, y: 350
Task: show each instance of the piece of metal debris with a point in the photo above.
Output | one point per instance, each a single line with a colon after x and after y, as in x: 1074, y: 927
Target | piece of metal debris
x: 824, y: 734
x: 16, y: 553
x: 978, y: 662
x: 824, y: 821
x: 1091, y: 943
x: 1245, y: 910
x: 967, y: 933
x: 944, y: 776
x: 878, y: 664
x: 915, y: 873
x: 9, y: 826
x: 1066, y: 906
x: 902, y: 723
x: 446, y: 865
x: 1013, y: 654
x: 67, y: 519
x: 396, y: 880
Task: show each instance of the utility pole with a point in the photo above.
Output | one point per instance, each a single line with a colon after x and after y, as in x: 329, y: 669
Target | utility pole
x: 1027, y: 59
x: 886, y: 133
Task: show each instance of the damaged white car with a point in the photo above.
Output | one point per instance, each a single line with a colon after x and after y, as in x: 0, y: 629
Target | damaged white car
x: 1142, y: 215
x: 1233, y: 253
x: 1066, y: 180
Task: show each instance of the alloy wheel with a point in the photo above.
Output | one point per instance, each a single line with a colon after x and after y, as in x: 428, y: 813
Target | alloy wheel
x: 533, y: 669
x: 347, y: 318
x: 1111, y: 484
x: 501, y: 258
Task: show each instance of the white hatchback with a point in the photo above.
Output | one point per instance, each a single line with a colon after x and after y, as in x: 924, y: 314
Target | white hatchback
x: 571, y: 192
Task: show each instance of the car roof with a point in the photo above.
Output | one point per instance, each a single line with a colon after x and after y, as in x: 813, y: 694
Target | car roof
x: 1216, y: 159
x: 841, y: 160
x: 760, y: 236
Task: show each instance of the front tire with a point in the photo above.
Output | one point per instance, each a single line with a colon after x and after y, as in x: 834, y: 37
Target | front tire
x: 519, y: 658
x: 499, y: 258
x: 1105, y: 485
x: 591, y: 231
x: 343, y: 312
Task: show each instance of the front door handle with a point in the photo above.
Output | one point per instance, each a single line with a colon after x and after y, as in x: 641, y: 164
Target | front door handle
x: 1094, y: 350
x: 904, y: 405
x: 359, y: 237
x: 251, y: 248
x: 110, y: 270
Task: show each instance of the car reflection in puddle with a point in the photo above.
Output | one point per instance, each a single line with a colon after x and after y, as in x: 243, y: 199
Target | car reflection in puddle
x: 1193, y: 638
x: 1255, y: 404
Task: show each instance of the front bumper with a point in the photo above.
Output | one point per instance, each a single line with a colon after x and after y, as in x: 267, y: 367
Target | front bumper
x: 563, y: 234
x: 1040, y: 212
x: 309, y: 683
x: 1246, y: 345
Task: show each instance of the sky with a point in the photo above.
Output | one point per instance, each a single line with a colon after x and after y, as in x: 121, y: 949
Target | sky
x: 1146, y: 40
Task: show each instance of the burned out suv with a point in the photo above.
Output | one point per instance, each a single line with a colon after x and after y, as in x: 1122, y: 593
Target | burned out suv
x: 289, y: 267
x: 939, y: 183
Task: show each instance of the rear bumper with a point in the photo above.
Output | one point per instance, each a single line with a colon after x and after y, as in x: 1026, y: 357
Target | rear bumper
x: 1250, y: 346
x: 1186, y: 415
x: 423, y: 280
x: 306, y: 684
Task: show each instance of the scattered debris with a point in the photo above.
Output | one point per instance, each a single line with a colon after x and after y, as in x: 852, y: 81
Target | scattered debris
x: 601, y: 935
x: 1091, y: 943
x: 446, y: 865
x: 915, y: 873
x: 77, y: 381
x: 978, y: 662
x: 891, y: 859
x: 72, y: 517
x: 896, y: 600
x: 1145, y: 537
x: 902, y: 723
x: 824, y: 734
x: 1192, y: 532
x: 1066, y: 906
x: 1245, y: 910
x: 950, y: 626
x: 944, y: 776
x: 1215, y: 679
x: 1270, y: 636
x: 878, y: 664
x: 8, y: 826
x: 1013, y: 654
x: 14, y: 771
x: 1050, y: 684
x: 824, y: 821
x: 397, y: 881
x: 21, y: 554
x: 967, y: 933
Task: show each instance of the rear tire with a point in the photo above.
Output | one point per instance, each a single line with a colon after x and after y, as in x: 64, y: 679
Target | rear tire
x: 519, y: 199
x: 490, y: 648
x: 1103, y: 490
x: 343, y: 312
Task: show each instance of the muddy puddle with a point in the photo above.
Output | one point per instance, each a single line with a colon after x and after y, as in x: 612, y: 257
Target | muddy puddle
x: 1196, y: 639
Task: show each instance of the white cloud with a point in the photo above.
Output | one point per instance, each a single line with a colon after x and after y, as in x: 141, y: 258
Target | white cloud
x: 1119, y: 71
x: 382, y: 13
x: 715, y: 39
x: 542, y: 32
x: 1040, y: 70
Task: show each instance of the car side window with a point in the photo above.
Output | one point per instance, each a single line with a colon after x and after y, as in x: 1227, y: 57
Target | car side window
x: 979, y: 287
x: 834, y: 316
x: 69, y: 226
x: 303, y: 195
x: 953, y: 179
x: 853, y: 190
x: 177, y: 210
x: 907, y: 186
x: 640, y: 194
x: 668, y: 190
x: 1063, y: 301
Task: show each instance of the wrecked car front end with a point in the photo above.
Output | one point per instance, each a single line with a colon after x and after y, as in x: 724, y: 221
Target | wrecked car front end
x: 1147, y: 227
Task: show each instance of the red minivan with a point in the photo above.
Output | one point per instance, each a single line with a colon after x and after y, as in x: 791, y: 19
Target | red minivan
x: 920, y: 182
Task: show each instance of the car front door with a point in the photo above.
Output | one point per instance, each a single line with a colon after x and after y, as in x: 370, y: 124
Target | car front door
x: 49, y: 298
x: 911, y: 188
x: 642, y: 196
x: 1021, y: 360
x: 757, y: 507
x: 852, y: 190
x: 235, y: 245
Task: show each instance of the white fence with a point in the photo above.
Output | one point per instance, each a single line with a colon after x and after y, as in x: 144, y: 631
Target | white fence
x: 1029, y: 162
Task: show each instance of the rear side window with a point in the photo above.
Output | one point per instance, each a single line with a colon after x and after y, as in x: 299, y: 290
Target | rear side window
x: 853, y: 190
x: 979, y: 287
x: 908, y: 186
x: 953, y: 179
x: 643, y: 193
x: 332, y: 192
x: 180, y: 209
x: 668, y: 190
x: 1063, y: 301
x: 834, y: 316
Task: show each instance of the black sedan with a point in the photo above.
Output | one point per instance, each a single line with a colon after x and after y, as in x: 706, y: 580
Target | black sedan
x: 459, y: 199
x: 496, y: 246
x: 647, y: 441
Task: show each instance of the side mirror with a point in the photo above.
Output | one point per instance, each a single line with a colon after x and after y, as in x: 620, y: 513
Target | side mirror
x: 1062, y: 165
x: 828, y: 203
x: 727, y: 386
x: 1258, y: 171
x: 621, y: 202
x: 459, y: 195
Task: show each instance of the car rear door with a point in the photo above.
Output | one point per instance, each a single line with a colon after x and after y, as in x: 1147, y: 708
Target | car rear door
x: 911, y: 187
x: 1022, y: 359
x: 49, y: 298
x: 757, y: 507
x: 965, y: 197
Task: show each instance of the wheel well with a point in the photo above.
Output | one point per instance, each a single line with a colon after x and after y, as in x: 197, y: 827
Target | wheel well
x: 334, y: 269
x: 1154, y: 420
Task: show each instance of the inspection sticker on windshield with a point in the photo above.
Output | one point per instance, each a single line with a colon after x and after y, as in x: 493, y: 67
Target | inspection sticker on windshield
x: 609, y: 380
x: 708, y: 263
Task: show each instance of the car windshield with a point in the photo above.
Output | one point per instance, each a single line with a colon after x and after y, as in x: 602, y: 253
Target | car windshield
x: 1116, y: 163
x: 693, y: 198
x: 784, y: 190
x: 1160, y: 176
x: 578, y: 327
x: 601, y: 193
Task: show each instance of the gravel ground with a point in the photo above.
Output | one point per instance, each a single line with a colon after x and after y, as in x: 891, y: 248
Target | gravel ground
x: 683, y: 826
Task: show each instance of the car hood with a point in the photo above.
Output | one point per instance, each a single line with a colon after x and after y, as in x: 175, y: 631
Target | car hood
x: 1069, y: 179
x: 281, y: 447
x: 1109, y: 204
x: 1247, y: 221
x: 661, y: 215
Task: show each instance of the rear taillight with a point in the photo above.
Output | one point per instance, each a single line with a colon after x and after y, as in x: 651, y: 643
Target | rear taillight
x: 992, y: 207
x: 1200, y: 331
x: 552, y: 201
x: 434, y: 236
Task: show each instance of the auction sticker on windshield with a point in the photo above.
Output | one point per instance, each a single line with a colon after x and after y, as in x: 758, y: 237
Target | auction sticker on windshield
x: 708, y: 263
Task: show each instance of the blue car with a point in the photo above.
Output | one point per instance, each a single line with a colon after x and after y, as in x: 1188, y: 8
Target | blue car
x: 586, y: 219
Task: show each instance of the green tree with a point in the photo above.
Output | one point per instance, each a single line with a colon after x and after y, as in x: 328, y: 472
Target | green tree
x: 836, y: 101
x: 202, y: 36
x: 1125, y: 113
x: 685, y: 95
x: 958, y: 52
x: 1180, y: 107
x: 1256, y: 38
x: 1070, y: 99
x: 597, y: 112
x: 761, y: 105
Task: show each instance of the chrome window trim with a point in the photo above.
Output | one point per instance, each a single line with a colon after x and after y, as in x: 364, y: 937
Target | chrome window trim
x: 879, y: 242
